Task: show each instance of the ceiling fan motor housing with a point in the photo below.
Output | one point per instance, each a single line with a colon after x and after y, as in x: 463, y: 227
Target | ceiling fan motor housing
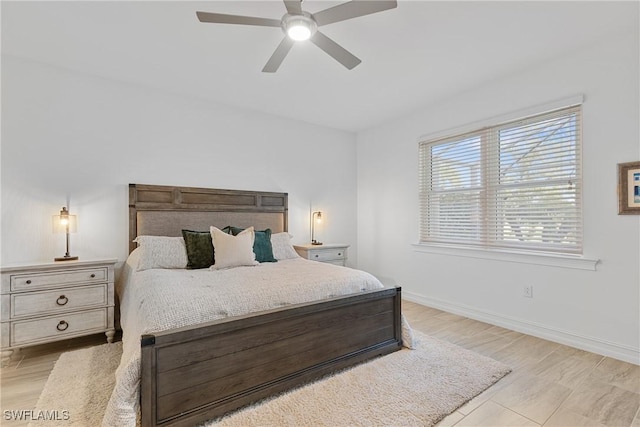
x: 294, y: 25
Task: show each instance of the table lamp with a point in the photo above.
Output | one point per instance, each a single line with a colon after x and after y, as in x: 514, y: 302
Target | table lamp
x: 65, y: 223
x: 315, y: 217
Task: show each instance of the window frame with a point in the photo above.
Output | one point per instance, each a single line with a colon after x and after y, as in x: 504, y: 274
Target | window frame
x: 506, y: 252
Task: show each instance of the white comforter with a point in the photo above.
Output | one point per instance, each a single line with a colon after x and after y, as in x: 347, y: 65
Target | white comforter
x: 157, y: 300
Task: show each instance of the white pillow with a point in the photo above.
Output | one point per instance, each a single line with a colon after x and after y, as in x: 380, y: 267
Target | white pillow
x: 232, y: 251
x: 282, y: 247
x: 161, y: 252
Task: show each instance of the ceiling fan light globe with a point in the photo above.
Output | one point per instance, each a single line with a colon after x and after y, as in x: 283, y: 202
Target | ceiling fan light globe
x: 299, y: 32
x: 299, y: 27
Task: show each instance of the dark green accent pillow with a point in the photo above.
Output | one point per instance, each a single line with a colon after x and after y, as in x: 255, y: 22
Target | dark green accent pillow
x: 199, y: 249
x: 261, y: 244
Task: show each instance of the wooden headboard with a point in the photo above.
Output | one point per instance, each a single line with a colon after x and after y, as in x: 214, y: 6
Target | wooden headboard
x: 159, y: 210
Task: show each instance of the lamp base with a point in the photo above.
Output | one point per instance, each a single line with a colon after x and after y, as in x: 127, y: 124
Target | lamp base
x: 316, y: 243
x: 66, y: 258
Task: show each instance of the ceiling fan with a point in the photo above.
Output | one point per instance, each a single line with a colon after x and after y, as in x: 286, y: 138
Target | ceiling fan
x: 299, y: 25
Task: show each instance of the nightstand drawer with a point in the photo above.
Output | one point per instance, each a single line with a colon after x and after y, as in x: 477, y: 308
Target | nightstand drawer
x: 327, y: 254
x: 331, y: 253
x: 49, y: 328
x: 37, y: 281
x: 335, y: 262
x: 59, y: 300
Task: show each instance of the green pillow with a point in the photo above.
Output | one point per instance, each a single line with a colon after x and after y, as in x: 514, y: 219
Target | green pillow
x: 199, y: 249
x: 261, y: 244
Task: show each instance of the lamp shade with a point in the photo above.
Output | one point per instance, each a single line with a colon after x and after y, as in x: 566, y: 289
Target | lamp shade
x: 64, y: 223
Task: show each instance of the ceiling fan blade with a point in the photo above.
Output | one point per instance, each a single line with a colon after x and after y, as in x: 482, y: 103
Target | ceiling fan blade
x: 352, y: 9
x: 339, y: 53
x: 220, y: 18
x: 278, y: 56
x: 294, y: 7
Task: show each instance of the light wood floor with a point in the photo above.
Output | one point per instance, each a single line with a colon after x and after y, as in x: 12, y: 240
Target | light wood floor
x: 551, y: 384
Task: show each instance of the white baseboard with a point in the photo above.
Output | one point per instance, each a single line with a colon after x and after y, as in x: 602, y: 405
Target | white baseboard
x: 594, y: 345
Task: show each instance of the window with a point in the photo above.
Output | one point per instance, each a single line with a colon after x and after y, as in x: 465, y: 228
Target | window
x: 516, y: 185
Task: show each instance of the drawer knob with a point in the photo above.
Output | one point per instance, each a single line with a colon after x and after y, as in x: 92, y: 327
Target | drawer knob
x: 62, y: 300
x: 316, y: 256
x: 29, y: 282
x: 62, y: 326
x: 93, y: 275
x: 339, y: 254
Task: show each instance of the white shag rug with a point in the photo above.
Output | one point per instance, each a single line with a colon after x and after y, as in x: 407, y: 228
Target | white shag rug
x: 406, y: 388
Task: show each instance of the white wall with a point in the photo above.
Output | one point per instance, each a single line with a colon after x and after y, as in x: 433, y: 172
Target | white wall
x: 68, y: 135
x: 597, y: 310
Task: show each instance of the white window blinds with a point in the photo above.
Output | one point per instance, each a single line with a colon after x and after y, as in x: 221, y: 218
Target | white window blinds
x: 516, y: 185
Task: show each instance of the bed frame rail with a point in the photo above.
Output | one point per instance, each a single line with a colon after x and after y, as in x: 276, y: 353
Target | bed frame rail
x: 197, y: 373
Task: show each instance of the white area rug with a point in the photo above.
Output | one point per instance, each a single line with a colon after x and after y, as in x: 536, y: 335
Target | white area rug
x: 406, y: 388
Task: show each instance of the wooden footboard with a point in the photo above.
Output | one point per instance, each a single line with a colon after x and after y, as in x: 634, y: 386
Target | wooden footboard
x: 197, y: 373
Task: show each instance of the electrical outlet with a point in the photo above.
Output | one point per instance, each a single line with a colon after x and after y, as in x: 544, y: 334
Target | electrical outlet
x: 527, y: 291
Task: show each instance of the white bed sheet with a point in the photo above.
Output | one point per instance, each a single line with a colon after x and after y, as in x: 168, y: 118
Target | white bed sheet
x: 157, y: 300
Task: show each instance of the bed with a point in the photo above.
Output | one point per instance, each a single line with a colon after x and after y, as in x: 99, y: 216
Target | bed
x: 200, y: 343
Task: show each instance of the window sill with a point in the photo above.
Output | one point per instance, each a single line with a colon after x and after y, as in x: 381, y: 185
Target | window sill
x: 564, y: 261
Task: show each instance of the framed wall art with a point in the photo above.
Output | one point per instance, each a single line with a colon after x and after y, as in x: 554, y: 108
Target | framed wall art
x: 629, y: 188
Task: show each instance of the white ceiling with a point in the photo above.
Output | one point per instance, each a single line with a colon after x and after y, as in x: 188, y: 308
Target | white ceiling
x: 412, y: 56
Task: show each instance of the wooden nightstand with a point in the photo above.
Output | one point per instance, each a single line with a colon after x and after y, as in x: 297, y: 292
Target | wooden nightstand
x: 330, y: 253
x: 54, y: 301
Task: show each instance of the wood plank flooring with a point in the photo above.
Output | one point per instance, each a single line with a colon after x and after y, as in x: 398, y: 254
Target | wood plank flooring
x: 551, y: 384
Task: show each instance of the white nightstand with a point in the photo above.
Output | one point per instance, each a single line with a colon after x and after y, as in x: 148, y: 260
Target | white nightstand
x: 47, y: 302
x: 332, y: 253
